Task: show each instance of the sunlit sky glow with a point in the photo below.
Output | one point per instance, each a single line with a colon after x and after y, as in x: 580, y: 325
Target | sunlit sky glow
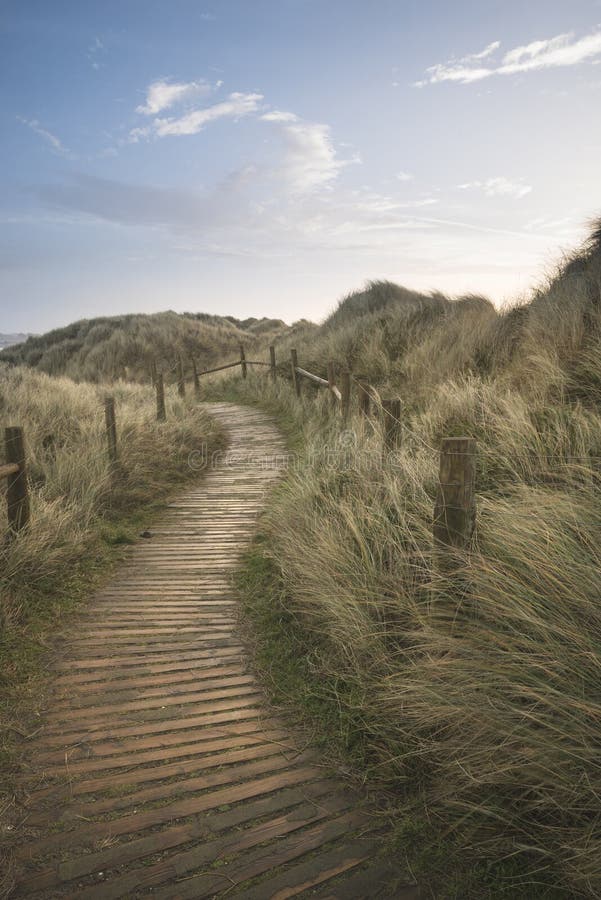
x: 264, y: 157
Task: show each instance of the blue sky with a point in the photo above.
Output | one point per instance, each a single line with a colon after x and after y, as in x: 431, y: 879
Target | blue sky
x: 266, y: 157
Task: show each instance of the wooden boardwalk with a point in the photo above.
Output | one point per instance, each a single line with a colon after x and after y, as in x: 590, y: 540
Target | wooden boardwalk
x: 159, y: 771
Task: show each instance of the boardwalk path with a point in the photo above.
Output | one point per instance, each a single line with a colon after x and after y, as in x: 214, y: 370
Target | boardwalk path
x: 159, y: 771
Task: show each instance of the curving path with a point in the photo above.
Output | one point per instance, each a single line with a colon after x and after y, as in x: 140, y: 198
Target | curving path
x: 160, y: 772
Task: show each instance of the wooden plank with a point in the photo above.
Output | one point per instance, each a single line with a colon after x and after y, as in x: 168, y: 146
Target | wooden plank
x: 84, y: 834
x: 98, y: 762
x: 119, y: 855
x: 277, y: 854
x: 89, y: 735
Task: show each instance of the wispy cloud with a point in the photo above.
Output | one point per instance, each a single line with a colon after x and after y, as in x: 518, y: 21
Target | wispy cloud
x: 162, y: 95
x: 483, y: 54
x: 55, y: 142
x: 95, y: 52
x: 310, y: 158
x: 404, y: 176
x: 236, y: 106
x: 498, y: 187
x: 559, y: 51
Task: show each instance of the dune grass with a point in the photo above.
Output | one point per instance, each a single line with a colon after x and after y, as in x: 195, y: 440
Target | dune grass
x: 471, y: 694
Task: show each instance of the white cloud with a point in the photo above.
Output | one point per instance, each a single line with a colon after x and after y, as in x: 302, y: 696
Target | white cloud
x: 235, y: 106
x: 278, y: 116
x: 52, y: 139
x: 559, y: 51
x: 310, y: 159
x: 162, y: 95
x: 483, y: 54
x: 404, y: 176
x: 498, y: 187
x: 309, y: 162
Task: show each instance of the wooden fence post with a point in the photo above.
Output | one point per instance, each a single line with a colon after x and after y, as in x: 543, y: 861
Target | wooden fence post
x: 455, y: 510
x: 17, y: 490
x: 272, y: 363
x: 160, y: 389
x: 295, y: 378
x: 111, y: 429
x: 364, y: 399
x: 196, y: 379
x: 393, y: 430
x: 345, y: 390
x: 181, y: 380
x: 153, y: 372
x: 243, y: 361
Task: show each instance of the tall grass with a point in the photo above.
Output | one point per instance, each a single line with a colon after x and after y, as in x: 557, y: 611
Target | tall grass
x: 477, y: 689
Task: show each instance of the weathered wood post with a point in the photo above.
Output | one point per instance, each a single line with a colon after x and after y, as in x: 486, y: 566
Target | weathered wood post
x: 17, y: 489
x: 455, y: 510
x: 243, y: 361
x: 364, y: 399
x: 272, y: 367
x: 181, y: 380
x: 160, y: 389
x: 196, y: 379
x: 153, y: 372
x: 345, y: 390
x: 111, y: 430
x: 295, y: 378
x: 393, y: 430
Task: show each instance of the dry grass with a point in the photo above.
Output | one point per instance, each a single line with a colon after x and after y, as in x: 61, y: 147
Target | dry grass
x: 480, y: 687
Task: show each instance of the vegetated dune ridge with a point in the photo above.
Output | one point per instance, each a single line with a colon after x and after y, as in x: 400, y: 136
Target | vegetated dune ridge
x: 475, y: 694
x: 127, y: 346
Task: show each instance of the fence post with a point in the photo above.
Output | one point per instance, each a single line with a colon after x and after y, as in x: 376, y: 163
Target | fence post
x: 111, y: 429
x: 392, y: 424
x: 17, y: 489
x: 455, y: 510
x: 153, y: 372
x: 181, y: 381
x: 295, y: 378
x: 160, y: 389
x: 243, y: 361
x: 272, y: 362
x: 364, y: 399
x: 345, y: 390
x: 196, y: 379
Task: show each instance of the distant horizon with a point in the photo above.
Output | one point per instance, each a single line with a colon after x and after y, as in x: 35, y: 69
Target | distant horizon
x: 275, y: 157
